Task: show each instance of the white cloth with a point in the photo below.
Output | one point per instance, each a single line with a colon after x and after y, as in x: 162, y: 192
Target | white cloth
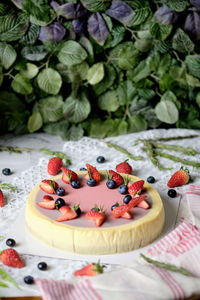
x: 193, y: 201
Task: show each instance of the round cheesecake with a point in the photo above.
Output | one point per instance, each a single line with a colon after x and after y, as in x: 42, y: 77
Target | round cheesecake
x: 81, y: 235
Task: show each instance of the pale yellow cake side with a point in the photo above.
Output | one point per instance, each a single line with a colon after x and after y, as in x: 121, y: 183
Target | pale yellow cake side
x: 109, y: 240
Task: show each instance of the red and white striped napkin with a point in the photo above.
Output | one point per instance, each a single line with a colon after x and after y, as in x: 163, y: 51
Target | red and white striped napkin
x: 141, y: 280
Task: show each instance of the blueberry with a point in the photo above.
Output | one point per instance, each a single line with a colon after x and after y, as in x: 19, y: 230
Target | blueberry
x: 94, y: 208
x: 60, y: 191
x: 127, y: 199
x: 59, y: 203
x: 150, y: 179
x: 123, y: 189
x: 10, y: 242
x: 6, y: 171
x: 111, y: 184
x: 172, y: 193
x: 83, y: 169
x: 28, y: 279
x: 78, y: 211
x: 114, y: 205
x: 100, y: 159
x: 75, y: 184
x: 42, y: 266
x: 91, y: 182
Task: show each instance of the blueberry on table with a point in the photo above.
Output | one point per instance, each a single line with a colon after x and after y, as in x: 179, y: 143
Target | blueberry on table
x: 59, y: 203
x: 114, y: 205
x: 83, y: 169
x: 10, y: 242
x: 42, y: 266
x: 6, y: 171
x: 127, y: 199
x: 100, y: 159
x: 150, y: 179
x: 172, y: 193
x: 75, y: 184
x: 111, y: 184
x: 91, y: 182
x: 123, y: 189
x: 29, y: 279
x: 60, y: 191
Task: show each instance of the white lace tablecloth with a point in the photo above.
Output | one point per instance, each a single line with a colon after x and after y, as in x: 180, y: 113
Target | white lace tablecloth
x: 28, y: 169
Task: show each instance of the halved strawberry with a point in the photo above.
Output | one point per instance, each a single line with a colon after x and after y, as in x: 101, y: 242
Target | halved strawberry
x: 144, y: 204
x: 136, y: 201
x: 135, y: 188
x: 49, y: 186
x: 127, y: 215
x: 66, y: 214
x: 68, y: 175
x: 47, y: 198
x: 179, y: 178
x: 47, y: 204
x: 120, y: 211
x: 98, y: 216
x: 93, y: 173
x: 90, y: 270
x: 54, y: 165
x: 116, y: 177
x: 1, y: 198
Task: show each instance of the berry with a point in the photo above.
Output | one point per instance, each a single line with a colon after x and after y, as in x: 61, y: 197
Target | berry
x: 124, y: 167
x: 144, y: 204
x: 11, y: 258
x: 60, y: 191
x: 136, y: 188
x: 47, y: 198
x: 120, y: 210
x: 66, y: 214
x: 83, y: 169
x: 6, y: 171
x: 91, y: 182
x: 78, y: 211
x: 59, y: 203
x: 116, y: 177
x: 68, y: 175
x: 123, y: 189
x: 150, y: 179
x: 10, y: 242
x: 47, y: 204
x: 90, y: 270
x: 92, y: 173
x: 49, y: 186
x: 111, y: 184
x: 28, y: 279
x: 75, y: 184
x: 179, y: 178
x: 127, y: 199
x: 171, y: 193
x: 95, y: 209
x: 114, y: 205
x: 42, y: 266
x: 54, y: 165
x: 98, y: 216
x: 1, y: 198
x: 100, y: 159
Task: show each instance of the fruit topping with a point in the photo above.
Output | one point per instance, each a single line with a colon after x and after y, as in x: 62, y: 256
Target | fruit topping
x: 83, y: 169
x: 59, y: 203
x: 136, y: 188
x: 124, y: 167
x: 172, y: 193
x: 47, y: 204
x: 121, y: 211
x: 68, y: 175
x: 116, y: 177
x: 123, y: 189
x: 90, y: 270
x: 77, y: 210
x: 54, y: 165
x: 114, y: 205
x: 11, y: 258
x: 100, y: 159
x: 10, y: 242
x: 93, y: 173
x: 1, y: 198
x: 179, y: 178
x: 47, y: 198
x: 42, y: 266
x: 75, y: 184
x: 91, y: 182
x: 98, y: 215
x: 127, y: 199
x: 66, y: 214
x: 49, y: 186
x: 111, y: 184
x: 6, y: 171
x: 60, y: 191
x: 151, y: 179
x: 144, y: 204
x: 28, y: 279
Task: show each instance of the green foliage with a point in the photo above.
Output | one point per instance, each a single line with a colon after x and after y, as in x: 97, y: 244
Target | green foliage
x: 103, y: 68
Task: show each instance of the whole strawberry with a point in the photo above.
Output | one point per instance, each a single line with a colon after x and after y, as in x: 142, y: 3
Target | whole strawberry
x: 11, y: 258
x: 124, y: 167
x: 179, y: 178
x: 90, y: 270
x: 54, y: 165
x: 1, y: 198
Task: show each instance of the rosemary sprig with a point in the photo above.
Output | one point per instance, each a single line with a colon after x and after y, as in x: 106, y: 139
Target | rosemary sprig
x: 167, y: 138
x: 185, y: 150
x: 166, y: 266
x: 123, y: 150
x: 6, y: 277
x: 7, y: 186
x: 178, y: 159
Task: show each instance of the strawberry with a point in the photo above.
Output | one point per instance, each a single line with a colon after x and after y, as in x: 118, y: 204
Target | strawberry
x: 136, y: 188
x: 54, y: 165
x: 97, y: 215
x: 49, y: 186
x: 90, y: 270
x: 1, y: 198
x: 47, y: 198
x: 47, y: 204
x: 120, y: 211
x: 180, y: 177
x: 127, y: 215
x: 66, y: 214
x: 116, y: 177
x: 11, y: 258
x: 124, y: 167
x: 136, y: 201
x: 93, y: 173
x: 68, y: 175
x: 144, y: 204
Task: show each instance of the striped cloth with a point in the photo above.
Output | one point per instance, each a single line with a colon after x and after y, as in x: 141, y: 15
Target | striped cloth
x: 141, y: 280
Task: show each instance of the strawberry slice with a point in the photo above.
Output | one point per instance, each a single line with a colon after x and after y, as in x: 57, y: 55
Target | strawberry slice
x: 1, y: 198
x: 54, y: 165
x: 120, y: 211
x: 90, y: 270
x: 93, y: 173
x: 127, y: 215
x: 11, y: 258
x: 144, y: 204
x: 66, y: 214
x: 47, y: 198
x: 136, y: 201
x: 98, y: 216
x: 116, y: 177
x: 49, y: 186
x: 135, y: 188
x: 68, y: 175
x: 47, y: 204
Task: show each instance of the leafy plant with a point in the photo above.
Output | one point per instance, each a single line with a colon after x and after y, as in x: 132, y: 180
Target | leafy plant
x: 99, y: 67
